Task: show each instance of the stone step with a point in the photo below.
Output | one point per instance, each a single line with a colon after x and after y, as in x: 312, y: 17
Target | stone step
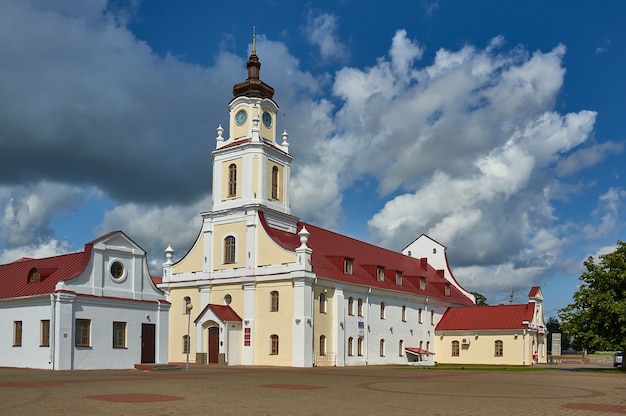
x: 156, y: 367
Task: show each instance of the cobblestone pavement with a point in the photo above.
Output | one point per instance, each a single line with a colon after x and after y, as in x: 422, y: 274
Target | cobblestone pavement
x: 558, y: 390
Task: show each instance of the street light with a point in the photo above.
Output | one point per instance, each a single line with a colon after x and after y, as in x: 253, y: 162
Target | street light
x: 189, y: 307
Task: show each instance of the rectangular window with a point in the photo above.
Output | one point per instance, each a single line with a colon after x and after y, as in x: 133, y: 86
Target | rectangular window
x: 119, y: 334
x: 422, y: 283
x: 447, y: 289
x: 347, y: 266
x: 17, y: 333
x: 186, y: 344
x: 380, y: 274
x: 399, y: 278
x: 45, y: 333
x: 499, y: 347
x: 82, y: 333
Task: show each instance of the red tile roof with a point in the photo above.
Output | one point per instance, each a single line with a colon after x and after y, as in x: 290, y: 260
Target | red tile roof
x: 14, y: 276
x: 487, y: 317
x: 330, y: 249
x: 224, y: 312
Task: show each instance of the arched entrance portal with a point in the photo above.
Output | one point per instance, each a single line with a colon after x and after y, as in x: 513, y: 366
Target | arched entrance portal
x: 214, y: 344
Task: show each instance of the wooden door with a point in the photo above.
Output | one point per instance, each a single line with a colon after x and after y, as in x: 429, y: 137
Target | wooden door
x: 148, y: 332
x: 214, y: 344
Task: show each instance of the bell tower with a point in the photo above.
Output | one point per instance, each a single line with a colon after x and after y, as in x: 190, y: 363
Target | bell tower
x: 250, y: 167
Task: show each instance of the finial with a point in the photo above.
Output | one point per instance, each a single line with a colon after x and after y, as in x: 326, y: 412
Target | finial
x: 253, y: 40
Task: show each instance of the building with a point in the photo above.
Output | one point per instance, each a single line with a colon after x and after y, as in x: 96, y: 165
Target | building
x: 260, y: 287
x: 504, y: 334
x: 95, y: 309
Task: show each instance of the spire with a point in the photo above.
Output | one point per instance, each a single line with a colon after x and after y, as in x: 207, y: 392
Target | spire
x: 253, y: 86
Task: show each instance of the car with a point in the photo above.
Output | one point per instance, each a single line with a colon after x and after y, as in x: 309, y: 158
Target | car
x: 617, y: 359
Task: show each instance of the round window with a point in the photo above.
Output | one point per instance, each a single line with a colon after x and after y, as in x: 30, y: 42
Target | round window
x: 228, y: 299
x: 117, y: 270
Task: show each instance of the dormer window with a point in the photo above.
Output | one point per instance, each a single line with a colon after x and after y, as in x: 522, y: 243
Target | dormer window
x: 347, y: 266
x: 399, y: 278
x: 447, y: 289
x: 422, y: 283
x: 33, y: 275
x: 380, y: 274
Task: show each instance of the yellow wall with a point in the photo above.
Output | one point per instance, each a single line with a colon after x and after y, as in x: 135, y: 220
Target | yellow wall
x: 323, y: 323
x: 192, y: 262
x: 268, y: 323
x: 236, y: 229
x: 481, y: 349
x: 238, y: 162
x: 239, y: 131
x: 178, y: 323
x: 271, y: 253
x: 281, y: 176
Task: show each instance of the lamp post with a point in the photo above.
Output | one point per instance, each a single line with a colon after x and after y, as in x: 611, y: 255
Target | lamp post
x: 189, y: 307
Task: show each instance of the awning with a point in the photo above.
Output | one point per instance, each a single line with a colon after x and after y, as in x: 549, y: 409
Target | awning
x: 418, y: 351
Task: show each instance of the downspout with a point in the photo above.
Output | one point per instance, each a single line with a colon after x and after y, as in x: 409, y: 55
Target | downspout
x: 52, y: 330
x: 524, y: 341
x: 367, y: 325
x: 313, y: 323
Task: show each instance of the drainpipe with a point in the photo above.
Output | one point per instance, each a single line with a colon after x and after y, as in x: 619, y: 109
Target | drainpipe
x: 524, y: 340
x: 367, y: 325
x: 52, y: 338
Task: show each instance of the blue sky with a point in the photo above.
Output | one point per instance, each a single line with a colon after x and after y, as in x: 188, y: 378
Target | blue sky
x: 493, y: 127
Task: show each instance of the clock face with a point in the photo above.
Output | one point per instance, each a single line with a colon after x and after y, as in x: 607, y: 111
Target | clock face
x: 267, y: 119
x: 241, y: 117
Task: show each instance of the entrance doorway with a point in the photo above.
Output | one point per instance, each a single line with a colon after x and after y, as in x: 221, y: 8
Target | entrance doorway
x: 148, y: 332
x: 214, y: 344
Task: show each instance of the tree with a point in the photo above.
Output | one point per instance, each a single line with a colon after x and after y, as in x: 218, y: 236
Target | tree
x: 481, y: 300
x: 597, y: 317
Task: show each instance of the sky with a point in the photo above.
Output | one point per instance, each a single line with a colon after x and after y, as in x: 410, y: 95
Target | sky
x: 493, y: 127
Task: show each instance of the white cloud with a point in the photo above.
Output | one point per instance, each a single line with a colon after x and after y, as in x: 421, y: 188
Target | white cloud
x: 48, y: 248
x: 321, y: 31
x: 28, y: 210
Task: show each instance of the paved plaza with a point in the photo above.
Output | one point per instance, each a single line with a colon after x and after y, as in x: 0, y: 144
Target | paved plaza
x: 202, y: 390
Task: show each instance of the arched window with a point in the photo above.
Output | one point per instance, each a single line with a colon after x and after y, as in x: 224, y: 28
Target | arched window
x: 401, y: 348
x: 360, y: 307
x: 229, y: 249
x: 382, y: 310
x: 274, y: 301
x: 382, y: 347
x: 421, y: 344
x: 322, y: 344
x: 350, y: 346
x: 232, y: 180
x: 427, y: 345
x: 403, y: 313
x: 499, y: 348
x: 350, y: 306
x: 432, y: 317
x: 274, y: 344
x: 275, y: 182
x: 455, y: 348
x: 186, y: 301
x: 359, y: 346
x: 323, y: 302
x: 419, y: 315
x: 186, y: 344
